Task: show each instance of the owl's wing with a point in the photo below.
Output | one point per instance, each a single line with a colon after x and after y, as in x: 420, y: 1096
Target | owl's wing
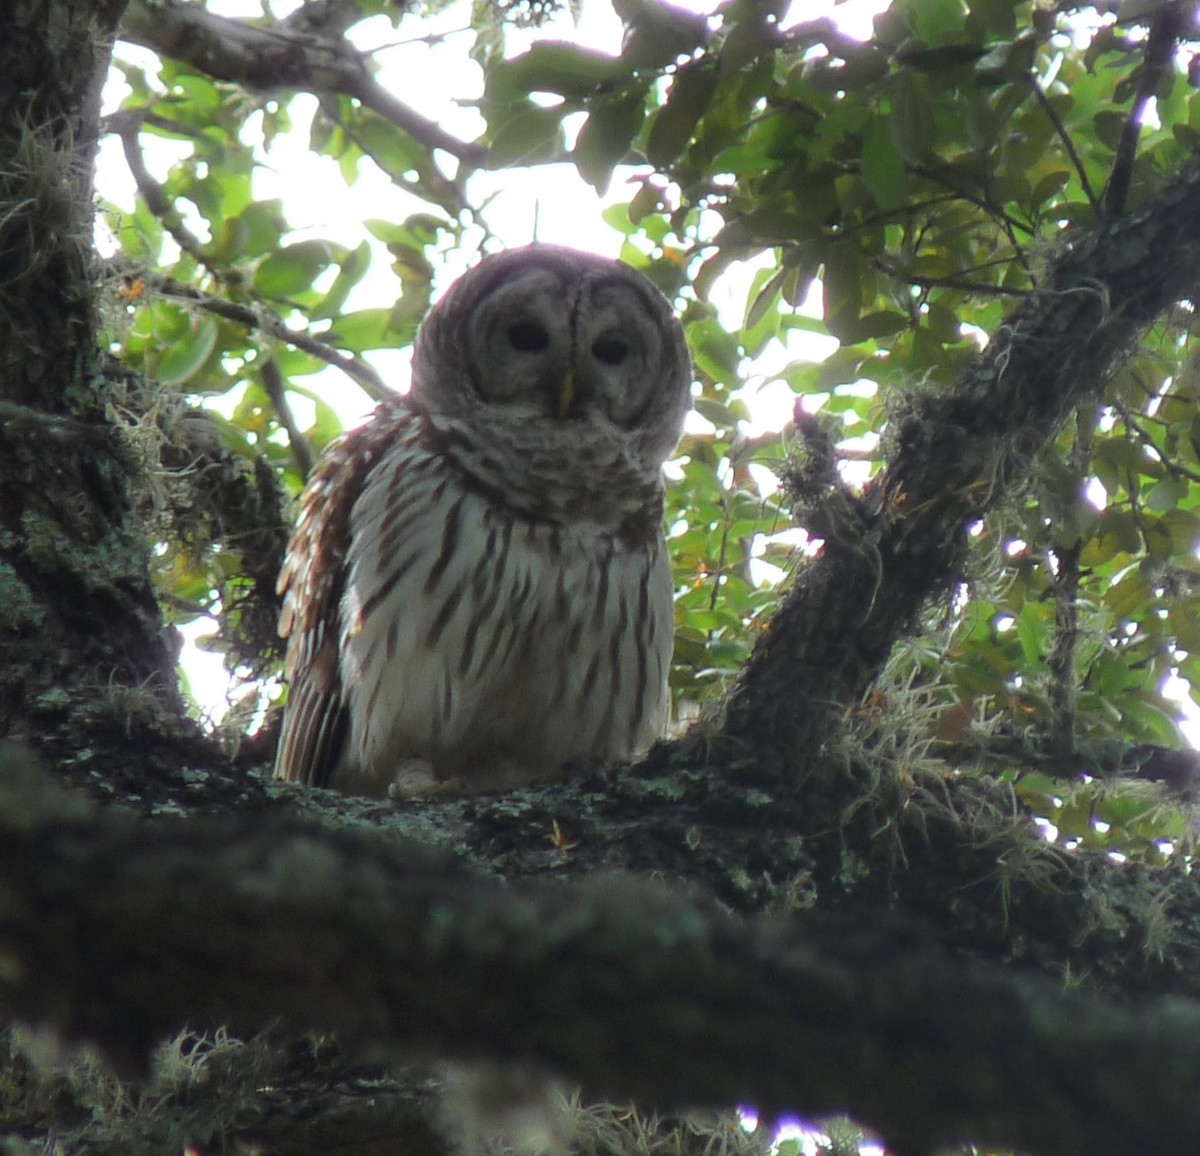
x: 311, y: 583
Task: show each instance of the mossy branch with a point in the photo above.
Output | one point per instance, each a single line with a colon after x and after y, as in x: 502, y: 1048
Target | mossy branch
x: 120, y: 932
x: 954, y: 456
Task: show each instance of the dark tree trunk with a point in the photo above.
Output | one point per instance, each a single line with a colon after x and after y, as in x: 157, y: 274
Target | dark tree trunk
x: 82, y: 645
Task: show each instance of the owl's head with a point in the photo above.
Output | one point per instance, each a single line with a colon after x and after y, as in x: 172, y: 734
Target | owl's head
x: 546, y: 334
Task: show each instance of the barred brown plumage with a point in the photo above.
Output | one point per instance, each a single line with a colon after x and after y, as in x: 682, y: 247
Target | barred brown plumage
x: 477, y: 587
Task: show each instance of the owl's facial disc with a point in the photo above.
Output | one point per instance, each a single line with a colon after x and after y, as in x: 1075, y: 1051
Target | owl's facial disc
x: 565, y: 345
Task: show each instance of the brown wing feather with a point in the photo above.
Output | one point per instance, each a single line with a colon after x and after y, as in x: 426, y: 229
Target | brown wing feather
x: 311, y: 583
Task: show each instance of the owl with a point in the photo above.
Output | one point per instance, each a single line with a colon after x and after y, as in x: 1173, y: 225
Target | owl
x: 477, y: 588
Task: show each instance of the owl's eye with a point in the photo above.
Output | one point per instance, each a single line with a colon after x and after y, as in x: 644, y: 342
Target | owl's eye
x: 528, y: 337
x: 609, y: 349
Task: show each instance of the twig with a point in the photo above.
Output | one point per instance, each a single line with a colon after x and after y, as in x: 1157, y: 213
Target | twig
x: 131, y: 120
x: 1066, y: 577
x: 991, y: 209
x: 272, y: 381
x: 951, y: 282
x: 259, y: 318
x: 263, y: 320
x: 156, y: 199
x: 1061, y: 129
x: 377, y: 98
x: 1062, y: 690
x: 1175, y: 468
x: 1165, y: 28
x: 457, y: 201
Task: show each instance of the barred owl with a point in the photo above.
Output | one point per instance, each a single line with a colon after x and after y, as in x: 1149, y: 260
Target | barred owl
x: 477, y: 588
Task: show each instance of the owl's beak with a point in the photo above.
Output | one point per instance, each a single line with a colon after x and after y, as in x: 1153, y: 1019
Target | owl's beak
x: 566, y: 394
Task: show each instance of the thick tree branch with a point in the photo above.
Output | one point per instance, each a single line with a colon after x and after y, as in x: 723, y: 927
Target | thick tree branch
x: 278, y: 57
x: 120, y: 931
x: 954, y: 456
x: 954, y: 857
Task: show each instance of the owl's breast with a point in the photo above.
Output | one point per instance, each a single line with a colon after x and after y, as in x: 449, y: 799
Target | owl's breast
x: 493, y: 645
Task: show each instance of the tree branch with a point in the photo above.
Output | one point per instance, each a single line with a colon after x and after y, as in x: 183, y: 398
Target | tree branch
x: 1168, y: 23
x: 1176, y: 771
x: 302, y: 452
x: 955, y: 855
x: 259, y: 318
x: 153, y: 193
x: 275, y: 57
x: 121, y: 931
x: 955, y: 455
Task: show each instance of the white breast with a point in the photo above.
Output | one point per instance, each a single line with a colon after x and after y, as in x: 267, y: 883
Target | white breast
x: 493, y: 647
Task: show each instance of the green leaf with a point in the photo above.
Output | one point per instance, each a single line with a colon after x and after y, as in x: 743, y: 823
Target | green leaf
x: 1167, y: 494
x: 1118, y: 533
x: 1049, y: 186
x: 910, y: 123
x: 936, y: 20
x: 605, y: 138
x: 842, y: 288
x: 186, y: 356
x: 688, y: 100
x: 1031, y: 630
x: 361, y: 330
x: 748, y: 41
x: 716, y: 412
x: 555, y: 66
x: 293, y: 269
x: 647, y: 200
x: 353, y: 268
x: 874, y: 325
x: 883, y: 167
x: 1183, y: 530
x: 534, y: 134
x: 254, y: 231
x: 658, y: 34
x: 1124, y: 598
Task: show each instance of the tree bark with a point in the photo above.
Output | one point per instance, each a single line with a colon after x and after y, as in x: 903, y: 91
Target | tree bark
x: 82, y: 648
x: 955, y: 455
x: 630, y: 989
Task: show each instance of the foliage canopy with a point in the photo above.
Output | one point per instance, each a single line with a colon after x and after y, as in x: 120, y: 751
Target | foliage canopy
x: 914, y: 184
